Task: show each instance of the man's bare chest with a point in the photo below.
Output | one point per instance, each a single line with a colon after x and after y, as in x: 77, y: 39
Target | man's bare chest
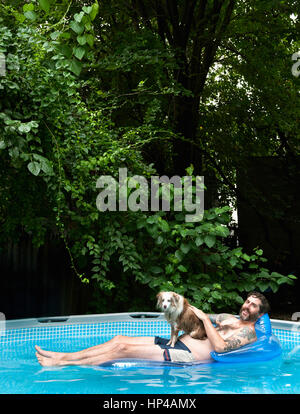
x: 228, y: 328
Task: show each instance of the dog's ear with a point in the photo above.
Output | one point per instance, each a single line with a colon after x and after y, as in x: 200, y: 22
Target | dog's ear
x: 159, y: 298
x: 176, y: 298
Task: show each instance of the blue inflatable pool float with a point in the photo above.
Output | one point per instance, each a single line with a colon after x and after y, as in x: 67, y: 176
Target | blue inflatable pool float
x: 266, y: 347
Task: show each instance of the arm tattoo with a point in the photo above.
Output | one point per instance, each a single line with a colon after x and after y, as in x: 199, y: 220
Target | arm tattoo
x: 247, y: 333
x: 232, y: 344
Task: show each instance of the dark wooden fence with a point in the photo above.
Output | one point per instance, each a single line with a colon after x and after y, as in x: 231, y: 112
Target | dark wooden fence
x: 269, y: 217
x: 38, y: 282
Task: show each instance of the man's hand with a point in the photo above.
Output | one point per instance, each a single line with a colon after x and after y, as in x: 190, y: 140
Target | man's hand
x: 201, y: 315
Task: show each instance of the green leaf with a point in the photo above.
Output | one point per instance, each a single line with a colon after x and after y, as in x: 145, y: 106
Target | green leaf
x: 182, y: 268
x: 19, y: 17
x: 281, y: 280
x: 78, y: 16
x: 179, y: 255
x: 90, y: 39
x: 210, y: 240
x: 88, y: 26
x: 65, y: 50
x: 222, y: 231
x: 216, y: 295
x: 2, y: 145
x: 34, y: 167
x: 262, y: 286
x: 164, y: 225
x: 82, y: 39
x: 79, y: 52
x: 24, y: 128
x: 263, y: 274
x: 75, y: 67
x: 152, y: 219
x: 185, y: 247
x: 95, y: 269
x: 275, y: 274
x: 155, y: 269
x: 28, y: 7
x: 87, y: 9
x: 233, y: 261
x: 159, y: 240
x: 44, y: 5
x: 199, y: 241
x: 45, y: 164
x: 55, y: 35
x: 76, y: 27
x: 190, y: 170
x: 31, y: 15
x: 246, y: 257
x: 94, y: 11
x: 237, y: 252
x: 274, y: 287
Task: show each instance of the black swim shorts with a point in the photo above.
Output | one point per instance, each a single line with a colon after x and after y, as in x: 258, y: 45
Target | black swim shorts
x: 180, y: 352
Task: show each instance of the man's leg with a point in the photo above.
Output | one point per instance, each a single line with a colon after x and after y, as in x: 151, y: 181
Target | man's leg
x: 116, y: 351
x: 98, y: 349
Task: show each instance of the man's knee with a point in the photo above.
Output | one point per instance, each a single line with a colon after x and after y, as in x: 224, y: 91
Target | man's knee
x: 118, y: 339
x: 121, y: 348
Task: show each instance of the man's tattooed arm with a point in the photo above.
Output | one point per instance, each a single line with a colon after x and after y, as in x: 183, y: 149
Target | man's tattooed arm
x: 231, y: 344
x: 240, y: 337
x: 247, y: 333
x: 243, y: 337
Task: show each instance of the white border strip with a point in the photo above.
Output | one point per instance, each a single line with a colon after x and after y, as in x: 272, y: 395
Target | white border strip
x: 83, y: 319
x: 115, y: 317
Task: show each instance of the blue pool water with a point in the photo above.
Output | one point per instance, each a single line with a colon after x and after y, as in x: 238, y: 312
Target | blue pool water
x: 20, y: 372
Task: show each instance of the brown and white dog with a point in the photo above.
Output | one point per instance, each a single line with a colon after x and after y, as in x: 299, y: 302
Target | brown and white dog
x: 180, y: 316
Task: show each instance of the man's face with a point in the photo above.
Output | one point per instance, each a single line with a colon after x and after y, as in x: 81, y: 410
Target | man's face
x: 249, y: 311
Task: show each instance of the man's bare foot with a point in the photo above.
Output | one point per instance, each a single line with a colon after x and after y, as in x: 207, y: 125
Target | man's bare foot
x: 49, y: 354
x: 46, y: 362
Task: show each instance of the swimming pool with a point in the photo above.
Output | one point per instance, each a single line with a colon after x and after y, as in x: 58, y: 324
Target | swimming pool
x: 20, y: 372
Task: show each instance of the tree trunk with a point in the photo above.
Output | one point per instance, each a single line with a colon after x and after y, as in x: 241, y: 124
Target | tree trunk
x: 186, y: 122
x: 193, y: 29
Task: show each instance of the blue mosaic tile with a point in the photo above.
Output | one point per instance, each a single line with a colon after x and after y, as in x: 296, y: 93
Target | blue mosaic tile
x: 110, y: 329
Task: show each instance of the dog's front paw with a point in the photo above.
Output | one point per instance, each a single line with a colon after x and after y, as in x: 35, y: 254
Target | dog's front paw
x: 171, y: 343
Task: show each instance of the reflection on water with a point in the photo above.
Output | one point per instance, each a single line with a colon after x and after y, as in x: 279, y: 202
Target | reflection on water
x: 291, y: 355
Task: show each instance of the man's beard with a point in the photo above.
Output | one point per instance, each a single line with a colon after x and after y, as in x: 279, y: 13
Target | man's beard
x: 250, y: 317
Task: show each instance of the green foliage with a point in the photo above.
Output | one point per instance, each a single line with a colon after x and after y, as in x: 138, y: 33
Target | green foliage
x: 87, y: 92
x: 73, y: 40
x: 164, y: 252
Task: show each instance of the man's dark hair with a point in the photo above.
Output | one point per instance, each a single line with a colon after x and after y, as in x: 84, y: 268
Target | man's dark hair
x: 264, y: 306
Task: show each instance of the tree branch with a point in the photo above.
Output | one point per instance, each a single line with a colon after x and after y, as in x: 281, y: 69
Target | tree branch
x: 162, y: 22
x: 187, y: 19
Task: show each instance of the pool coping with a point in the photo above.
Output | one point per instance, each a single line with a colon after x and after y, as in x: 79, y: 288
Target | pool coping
x: 114, y: 317
x: 83, y: 319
